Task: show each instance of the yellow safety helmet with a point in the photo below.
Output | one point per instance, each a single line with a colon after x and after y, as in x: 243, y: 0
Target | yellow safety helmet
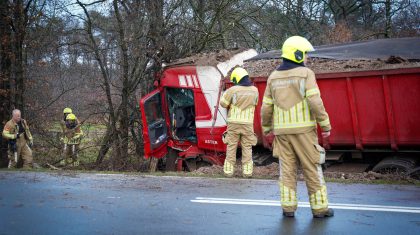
x: 71, y: 117
x: 67, y: 110
x: 295, y: 48
x: 238, y: 74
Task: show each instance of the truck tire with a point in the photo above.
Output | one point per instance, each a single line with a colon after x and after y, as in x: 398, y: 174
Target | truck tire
x: 415, y: 173
x: 398, y: 165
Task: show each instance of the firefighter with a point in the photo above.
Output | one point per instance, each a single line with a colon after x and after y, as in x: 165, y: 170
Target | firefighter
x: 240, y: 100
x: 66, y: 112
x: 17, y: 132
x: 292, y: 107
x: 72, y: 135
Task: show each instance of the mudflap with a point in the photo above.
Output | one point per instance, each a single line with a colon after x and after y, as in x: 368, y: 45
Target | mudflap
x: 191, y: 164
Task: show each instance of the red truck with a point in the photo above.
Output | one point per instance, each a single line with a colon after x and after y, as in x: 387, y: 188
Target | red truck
x: 374, y: 110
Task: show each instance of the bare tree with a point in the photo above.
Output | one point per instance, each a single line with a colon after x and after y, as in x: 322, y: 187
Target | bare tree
x: 102, y: 59
x: 5, y: 74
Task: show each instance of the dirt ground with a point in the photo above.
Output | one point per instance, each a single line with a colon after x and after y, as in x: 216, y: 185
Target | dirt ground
x: 263, y: 68
x: 272, y: 172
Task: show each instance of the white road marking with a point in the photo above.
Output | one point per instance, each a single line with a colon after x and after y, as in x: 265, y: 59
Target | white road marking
x: 343, y: 206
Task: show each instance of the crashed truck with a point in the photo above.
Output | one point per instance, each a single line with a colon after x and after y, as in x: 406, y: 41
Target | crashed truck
x: 370, y: 89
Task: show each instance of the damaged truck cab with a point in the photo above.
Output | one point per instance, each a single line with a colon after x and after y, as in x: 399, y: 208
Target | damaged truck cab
x: 182, y: 119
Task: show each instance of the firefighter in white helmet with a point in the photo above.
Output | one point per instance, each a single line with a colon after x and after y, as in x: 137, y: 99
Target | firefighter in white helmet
x: 292, y: 107
x: 240, y: 100
x: 17, y: 132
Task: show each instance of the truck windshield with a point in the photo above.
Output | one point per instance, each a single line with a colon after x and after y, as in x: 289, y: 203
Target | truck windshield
x: 182, y: 113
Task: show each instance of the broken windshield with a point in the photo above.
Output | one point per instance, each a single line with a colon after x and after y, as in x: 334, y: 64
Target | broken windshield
x: 182, y: 113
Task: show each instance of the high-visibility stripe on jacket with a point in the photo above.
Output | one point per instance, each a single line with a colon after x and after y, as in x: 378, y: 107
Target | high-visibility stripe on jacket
x: 11, y: 129
x: 292, y: 103
x: 238, y: 115
x: 72, y: 136
x: 297, y: 116
x: 241, y: 102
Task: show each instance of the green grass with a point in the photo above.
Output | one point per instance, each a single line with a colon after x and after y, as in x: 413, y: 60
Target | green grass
x: 48, y: 148
x: 88, y: 154
x: 93, y: 127
x: 56, y: 127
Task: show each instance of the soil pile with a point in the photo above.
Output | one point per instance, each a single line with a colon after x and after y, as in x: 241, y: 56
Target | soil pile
x: 263, y: 68
x: 272, y: 172
x: 208, y: 58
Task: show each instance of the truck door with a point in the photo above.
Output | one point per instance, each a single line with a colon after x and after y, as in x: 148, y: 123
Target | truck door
x: 155, y: 131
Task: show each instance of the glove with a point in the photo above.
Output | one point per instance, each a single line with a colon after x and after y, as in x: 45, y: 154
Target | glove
x: 326, y: 134
x: 266, y: 130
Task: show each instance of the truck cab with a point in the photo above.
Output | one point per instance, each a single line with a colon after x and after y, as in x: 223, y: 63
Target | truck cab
x: 182, y: 118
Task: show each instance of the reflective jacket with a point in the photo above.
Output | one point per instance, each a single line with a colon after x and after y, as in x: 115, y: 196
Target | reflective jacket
x: 292, y: 103
x: 72, y: 135
x: 11, y: 129
x: 63, y: 124
x: 241, y: 101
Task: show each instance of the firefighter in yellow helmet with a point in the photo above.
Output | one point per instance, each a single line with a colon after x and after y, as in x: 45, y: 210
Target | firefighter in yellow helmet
x: 17, y: 132
x: 240, y: 100
x: 292, y: 107
x: 66, y: 112
x: 72, y: 135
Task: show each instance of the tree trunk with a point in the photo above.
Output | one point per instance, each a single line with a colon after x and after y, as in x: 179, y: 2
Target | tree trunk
x: 20, y: 32
x: 105, y: 145
x: 155, y: 10
x: 5, y: 73
x: 124, y: 125
x: 111, y: 133
x: 224, y: 40
x: 388, y: 18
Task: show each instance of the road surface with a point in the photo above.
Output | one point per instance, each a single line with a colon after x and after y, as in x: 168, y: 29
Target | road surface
x: 68, y: 203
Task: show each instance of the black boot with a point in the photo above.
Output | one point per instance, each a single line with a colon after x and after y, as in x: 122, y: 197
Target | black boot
x: 288, y: 214
x: 328, y: 213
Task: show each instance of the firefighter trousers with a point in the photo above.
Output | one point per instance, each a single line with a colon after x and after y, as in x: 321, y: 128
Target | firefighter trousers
x: 71, y: 153
x: 301, y: 149
x: 23, y: 152
x: 243, y: 134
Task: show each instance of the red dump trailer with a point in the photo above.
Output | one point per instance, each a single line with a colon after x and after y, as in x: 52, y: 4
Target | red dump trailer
x: 370, y: 111
x: 377, y: 110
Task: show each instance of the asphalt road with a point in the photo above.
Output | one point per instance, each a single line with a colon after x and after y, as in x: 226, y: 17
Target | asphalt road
x: 66, y: 203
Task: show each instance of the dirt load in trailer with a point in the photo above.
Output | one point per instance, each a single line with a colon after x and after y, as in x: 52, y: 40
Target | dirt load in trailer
x: 348, y: 57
